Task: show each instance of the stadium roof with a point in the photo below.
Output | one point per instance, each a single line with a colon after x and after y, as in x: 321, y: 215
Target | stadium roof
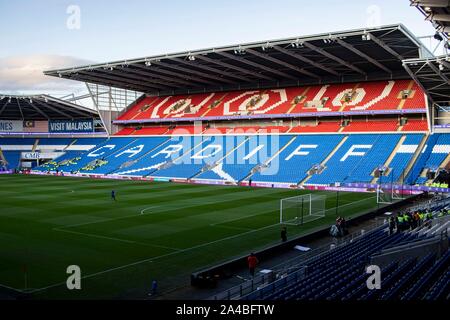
x: 433, y: 75
x: 346, y: 56
x: 41, y: 107
x: 436, y: 11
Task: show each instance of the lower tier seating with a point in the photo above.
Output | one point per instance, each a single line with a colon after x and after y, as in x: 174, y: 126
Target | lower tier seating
x: 310, y: 159
x: 340, y: 273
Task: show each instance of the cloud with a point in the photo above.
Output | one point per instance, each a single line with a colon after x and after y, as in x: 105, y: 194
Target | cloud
x: 24, y: 74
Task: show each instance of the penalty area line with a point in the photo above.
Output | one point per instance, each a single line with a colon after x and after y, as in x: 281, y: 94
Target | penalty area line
x: 116, y: 239
x: 160, y: 256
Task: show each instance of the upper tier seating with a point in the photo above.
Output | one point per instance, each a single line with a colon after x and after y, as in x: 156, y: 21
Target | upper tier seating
x: 333, y: 126
x: 382, y: 95
x: 371, y: 126
x: 416, y: 125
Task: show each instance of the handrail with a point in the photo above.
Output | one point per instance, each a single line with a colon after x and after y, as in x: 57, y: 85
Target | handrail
x: 291, y: 268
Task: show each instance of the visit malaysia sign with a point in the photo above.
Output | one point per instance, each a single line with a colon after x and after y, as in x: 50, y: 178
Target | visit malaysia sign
x: 71, y: 126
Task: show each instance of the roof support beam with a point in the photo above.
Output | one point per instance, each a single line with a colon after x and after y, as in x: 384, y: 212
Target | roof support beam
x: 107, y: 75
x: 20, y: 109
x: 438, y: 72
x: 42, y: 113
x: 199, y: 73
x: 256, y: 65
x: 413, y: 75
x: 4, y: 106
x: 113, y: 83
x: 154, y: 75
x: 431, y: 3
x: 199, y: 66
x: 304, y: 59
x: 383, y: 45
x: 55, y: 110
x: 282, y: 63
x: 174, y: 74
x: 445, y: 64
x: 362, y: 55
x: 333, y: 57
x: 154, y: 82
x: 231, y: 66
x: 70, y: 108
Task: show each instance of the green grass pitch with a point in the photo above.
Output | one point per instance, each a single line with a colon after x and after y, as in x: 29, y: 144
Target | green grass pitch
x: 155, y: 230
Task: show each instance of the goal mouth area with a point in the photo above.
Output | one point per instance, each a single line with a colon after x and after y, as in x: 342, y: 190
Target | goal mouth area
x: 302, y: 209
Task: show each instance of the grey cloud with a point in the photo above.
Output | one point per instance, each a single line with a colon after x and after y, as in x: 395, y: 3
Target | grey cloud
x: 24, y: 74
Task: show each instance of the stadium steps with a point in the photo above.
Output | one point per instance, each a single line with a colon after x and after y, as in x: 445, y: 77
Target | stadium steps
x: 324, y: 162
x: 294, y: 105
x: 112, y: 154
x: 120, y: 150
x: 445, y: 162
x: 403, y: 101
x: 221, y: 99
x: 35, y: 145
x: 171, y: 163
x: 70, y: 144
x: 122, y: 166
x: 416, y: 155
x: 143, y: 110
x: 2, y: 157
x: 389, y: 159
x: 384, y: 94
x: 220, y: 160
x: 252, y: 172
x: 344, y: 105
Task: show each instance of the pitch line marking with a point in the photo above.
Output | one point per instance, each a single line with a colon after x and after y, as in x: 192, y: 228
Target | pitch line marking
x: 116, y: 239
x: 159, y: 257
x: 165, y: 255
x: 143, y: 210
x: 230, y: 227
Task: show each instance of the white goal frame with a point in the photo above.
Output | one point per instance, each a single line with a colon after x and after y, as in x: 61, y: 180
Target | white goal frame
x: 306, y: 202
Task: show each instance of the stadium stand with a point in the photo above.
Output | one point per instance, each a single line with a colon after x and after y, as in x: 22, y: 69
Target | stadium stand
x: 371, y: 126
x: 339, y: 273
x: 433, y: 157
x: 310, y: 159
x: 338, y: 98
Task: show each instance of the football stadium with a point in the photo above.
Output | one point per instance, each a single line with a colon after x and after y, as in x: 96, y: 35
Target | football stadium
x: 312, y: 167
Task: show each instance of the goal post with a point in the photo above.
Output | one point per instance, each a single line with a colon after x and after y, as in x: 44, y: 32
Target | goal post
x: 301, y: 209
x: 388, y: 194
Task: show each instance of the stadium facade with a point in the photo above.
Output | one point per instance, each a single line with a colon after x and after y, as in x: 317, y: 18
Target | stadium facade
x: 359, y: 110
x: 345, y: 107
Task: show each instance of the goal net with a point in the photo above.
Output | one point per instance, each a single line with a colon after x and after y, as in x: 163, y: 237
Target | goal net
x: 301, y: 209
x: 387, y: 194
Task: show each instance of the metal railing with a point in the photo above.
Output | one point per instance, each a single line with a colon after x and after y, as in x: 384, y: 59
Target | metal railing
x: 292, y: 270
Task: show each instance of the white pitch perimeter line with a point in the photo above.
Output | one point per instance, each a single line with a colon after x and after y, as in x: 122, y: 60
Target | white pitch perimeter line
x: 166, y: 255
x: 350, y: 203
x: 233, y: 228
x: 160, y: 257
x: 243, y: 217
x: 116, y: 239
x: 106, y: 220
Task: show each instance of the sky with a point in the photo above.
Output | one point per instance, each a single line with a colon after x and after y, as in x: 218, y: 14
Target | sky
x: 38, y: 35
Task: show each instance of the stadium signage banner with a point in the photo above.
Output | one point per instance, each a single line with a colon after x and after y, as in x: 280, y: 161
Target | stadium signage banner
x: 11, y: 126
x: 71, y: 126
x: 30, y: 155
